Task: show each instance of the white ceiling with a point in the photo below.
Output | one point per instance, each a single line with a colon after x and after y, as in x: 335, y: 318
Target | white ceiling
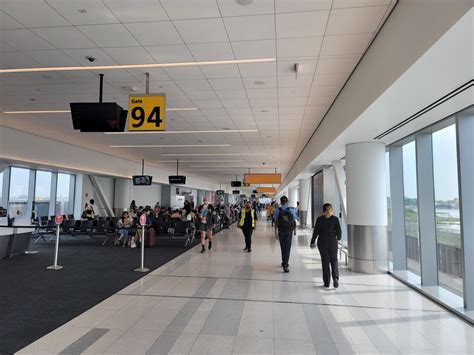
x: 326, y: 38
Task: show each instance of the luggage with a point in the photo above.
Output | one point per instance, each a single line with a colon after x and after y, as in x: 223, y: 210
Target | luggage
x: 150, y: 238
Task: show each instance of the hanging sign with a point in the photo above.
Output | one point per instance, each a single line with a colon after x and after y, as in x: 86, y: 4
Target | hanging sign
x: 146, y: 112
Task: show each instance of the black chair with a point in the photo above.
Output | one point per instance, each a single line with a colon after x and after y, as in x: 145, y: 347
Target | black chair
x: 49, y: 228
x: 87, y: 228
x: 69, y: 226
x: 182, y: 229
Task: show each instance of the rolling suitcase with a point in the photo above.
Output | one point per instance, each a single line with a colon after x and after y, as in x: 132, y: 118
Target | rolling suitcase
x: 150, y: 238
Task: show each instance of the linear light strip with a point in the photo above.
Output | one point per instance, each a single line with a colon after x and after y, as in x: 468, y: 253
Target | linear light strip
x: 209, y: 154
x: 137, y: 66
x: 168, y: 145
x: 182, y: 132
x: 68, y: 111
x: 200, y: 161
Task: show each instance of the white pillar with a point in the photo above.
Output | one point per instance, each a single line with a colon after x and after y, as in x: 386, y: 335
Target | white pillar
x: 366, y: 207
x: 123, y: 195
x: 304, y: 198
x: 293, y: 196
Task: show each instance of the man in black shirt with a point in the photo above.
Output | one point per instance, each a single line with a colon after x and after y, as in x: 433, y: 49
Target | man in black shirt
x: 247, y: 224
x: 328, y: 229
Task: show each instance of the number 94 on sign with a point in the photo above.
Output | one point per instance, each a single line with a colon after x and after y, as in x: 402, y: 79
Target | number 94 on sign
x: 146, y: 113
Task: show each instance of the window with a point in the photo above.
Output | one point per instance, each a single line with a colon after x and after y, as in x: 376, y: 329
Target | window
x: 65, y: 194
x: 1, y: 189
x: 411, y: 208
x: 448, y: 222
x: 389, y: 205
x: 18, y: 196
x: 42, y: 193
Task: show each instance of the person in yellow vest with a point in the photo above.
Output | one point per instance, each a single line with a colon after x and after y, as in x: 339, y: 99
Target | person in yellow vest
x: 247, y: 224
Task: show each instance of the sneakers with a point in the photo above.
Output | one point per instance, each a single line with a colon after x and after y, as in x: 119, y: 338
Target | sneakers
x: 210, y: 245
x: 249, y: 250
x: 245, y: 249
x: 286, y: 270
x: 134, y: 245
x: 203, y: 249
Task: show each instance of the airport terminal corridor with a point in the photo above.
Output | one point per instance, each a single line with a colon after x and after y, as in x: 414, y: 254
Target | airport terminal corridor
x: 229, y: 301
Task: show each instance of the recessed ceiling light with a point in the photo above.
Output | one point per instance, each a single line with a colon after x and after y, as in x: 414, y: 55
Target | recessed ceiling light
x: 200, y: 161
x: 138, y: 66
x: 259, y: 82
x: 244, y: 2
x: 168, y: 145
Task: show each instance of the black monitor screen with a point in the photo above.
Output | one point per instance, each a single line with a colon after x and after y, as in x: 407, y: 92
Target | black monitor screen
x: 141, y: 180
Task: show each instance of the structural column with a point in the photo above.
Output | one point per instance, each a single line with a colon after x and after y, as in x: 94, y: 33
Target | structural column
x: 293, y: 196
x: 366, y: 207
x: 304, y: 197
x: 398, y: 216
x: 426, y: 209
x: 465, y: 143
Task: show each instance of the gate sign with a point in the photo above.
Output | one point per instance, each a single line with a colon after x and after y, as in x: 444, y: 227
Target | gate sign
x: 146, y: 112
x: 143, y: 219
x: 58, y: 219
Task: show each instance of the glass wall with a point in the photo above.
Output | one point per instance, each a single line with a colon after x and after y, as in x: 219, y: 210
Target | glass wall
x: 389, y: 205
x: 18, y: 196
x: 1, y: 189
x: 33, y: 190
x: 448, y: 222
x: 411, y: 207
x: 447, y: 246
x: 42, y: 193
x: 65, y: 194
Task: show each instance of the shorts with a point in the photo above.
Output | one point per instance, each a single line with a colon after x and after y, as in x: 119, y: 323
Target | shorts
x: 204, y: 227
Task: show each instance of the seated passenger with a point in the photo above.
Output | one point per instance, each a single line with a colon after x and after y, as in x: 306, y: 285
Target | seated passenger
x: 176, y: 215
x: 124, y: 225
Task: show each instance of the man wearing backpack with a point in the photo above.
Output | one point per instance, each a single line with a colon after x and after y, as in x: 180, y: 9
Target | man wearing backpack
x: 285, y: 220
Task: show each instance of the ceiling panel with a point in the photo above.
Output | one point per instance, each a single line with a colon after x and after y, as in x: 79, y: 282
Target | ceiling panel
x: 130, y: 55
x: 232, y: 8
x: 355, y: 20
x: 302, y: 5
x: 141, y: 11
x: 113, y: 35
x: 301, y: 24
x: 185, y: 9
x: 64, y: 37
x: 211, y: 51
x: 95, y: 12
x: 254, y: 49
x: 24, y: 40
x: 170, y: 54
x: 299, y: 47
x: 146, y: 33
x: 202, y: 30
x: 7, y: 22
x: 245, y: 28
x: 33, y: 13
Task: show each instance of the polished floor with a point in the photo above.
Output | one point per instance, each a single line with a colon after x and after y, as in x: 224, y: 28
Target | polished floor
x: 228, y: 301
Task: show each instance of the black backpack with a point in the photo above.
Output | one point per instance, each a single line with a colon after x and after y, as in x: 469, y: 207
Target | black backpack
x: 285, y: 219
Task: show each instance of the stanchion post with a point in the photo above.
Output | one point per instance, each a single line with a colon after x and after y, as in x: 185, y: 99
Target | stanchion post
x: 142, y: 223
x: 58, y: 219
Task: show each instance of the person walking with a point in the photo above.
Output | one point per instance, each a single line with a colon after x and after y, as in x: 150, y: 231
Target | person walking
x: 247, y: 224
x: 328, y: 232
x: 285, y: 221
x: 206, y: 224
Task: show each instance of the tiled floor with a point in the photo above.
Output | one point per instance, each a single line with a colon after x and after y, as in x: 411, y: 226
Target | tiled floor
x: 228, y: 301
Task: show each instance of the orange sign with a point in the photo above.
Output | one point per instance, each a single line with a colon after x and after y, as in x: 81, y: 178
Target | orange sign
x: 266, y: 190
x: 262, y: 178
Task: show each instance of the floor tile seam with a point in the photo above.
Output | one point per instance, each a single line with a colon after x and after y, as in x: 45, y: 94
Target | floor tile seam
x: 289, y: 281
x: 290, y: 302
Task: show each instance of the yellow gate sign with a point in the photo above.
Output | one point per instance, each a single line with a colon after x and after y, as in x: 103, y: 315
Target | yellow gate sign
x: 146, y: 112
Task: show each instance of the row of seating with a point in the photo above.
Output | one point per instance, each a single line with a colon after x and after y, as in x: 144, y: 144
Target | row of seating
x: 108, y: 227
